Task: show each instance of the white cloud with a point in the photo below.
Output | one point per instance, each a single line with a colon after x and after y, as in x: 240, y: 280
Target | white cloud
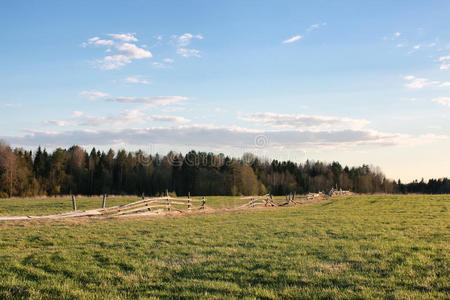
x: 126, y: 37
x: 302, y: 122
x: 57, y: 123
x: 159, y: 65
x: 443, y: 101
x: 76, y: 114
x: 169, y: 119
x: 181, y: 42
x: 93, y: 94
x: 168, y: 60
x: 292, y: 39
x: 133, y: 51
x: 445, y: 60
x: 188, y: 52
x: 419, y: 83
x: 393, y: 36
x: 160, y: 100
x: 12, y: 105
x: 445, y: 84
x: 125, y: 51
x: 112, y: 62
x: 136, y: 80
x: 218, y: 138
x: 185, y: 39
x: 124, y: 118
x: 316, y: 26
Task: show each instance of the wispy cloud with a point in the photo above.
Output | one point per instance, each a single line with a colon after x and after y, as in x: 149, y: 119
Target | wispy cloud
x: 303, y: 122
x: 218, y: 137
x: 419, y: 83
x: 445, y: 62
x: 136, y: 80
x: 316, y: 26
x: 182, y: 41
x: 127, y: 117
x: 185, y: 39
x: 188, y: 52
x: 57, y: 123
x: 77, y: 113
x: 93, y: 94
x: 126, y: 37
x: 292, y: 39
x: 442, y: 100
x: 393, y: 36
x: 308, y: 30
x: 160, y: 100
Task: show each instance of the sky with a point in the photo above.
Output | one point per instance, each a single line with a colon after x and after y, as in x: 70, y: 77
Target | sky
x: 359, y: 82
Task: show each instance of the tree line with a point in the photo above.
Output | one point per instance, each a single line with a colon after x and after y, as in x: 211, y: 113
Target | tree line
x: 75, y: 171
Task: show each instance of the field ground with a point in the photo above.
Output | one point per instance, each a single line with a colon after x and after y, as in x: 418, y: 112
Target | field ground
x: 348, y: 247
x: 43, y: 206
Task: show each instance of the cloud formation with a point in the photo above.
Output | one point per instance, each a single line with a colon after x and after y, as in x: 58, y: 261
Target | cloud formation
x: 127, y: 117
x: 185, y: 39
x: 419, y: 83
x: 136, y: 80
x: 188, y: 52
x: 292, y: 39
x: 159, y: 100
x: 316, y: 26
x: 304, y: 121
x: 445, y: 62
x: 181, y: 42
x: 126, y: 37
x: 442, y: 100
x: 93, y: 94
x: 221, y: 138
x: 123, y: 48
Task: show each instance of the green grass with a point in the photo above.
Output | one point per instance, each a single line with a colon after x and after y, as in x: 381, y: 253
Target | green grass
x: 43, y: 206
x: 394, y: 247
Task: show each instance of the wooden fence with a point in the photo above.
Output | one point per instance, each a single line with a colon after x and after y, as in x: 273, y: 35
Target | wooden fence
x: 156, y: 205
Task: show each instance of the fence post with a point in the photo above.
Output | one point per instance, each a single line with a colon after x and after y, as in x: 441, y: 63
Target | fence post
x: 104, y: 201
x: 74, y: 203
x: 203, y: 203
x: 189, y: 201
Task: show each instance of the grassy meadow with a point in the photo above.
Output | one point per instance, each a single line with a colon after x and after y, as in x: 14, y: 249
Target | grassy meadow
x: 43, y: 206
x: 394, y: 247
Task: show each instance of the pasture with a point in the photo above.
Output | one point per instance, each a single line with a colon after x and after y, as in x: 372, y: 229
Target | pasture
x: 346, y: 247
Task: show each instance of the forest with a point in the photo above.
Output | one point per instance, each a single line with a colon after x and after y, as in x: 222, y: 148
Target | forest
x: 76, y: 171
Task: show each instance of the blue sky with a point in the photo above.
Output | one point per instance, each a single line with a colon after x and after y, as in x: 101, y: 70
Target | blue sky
x: 353, y: 81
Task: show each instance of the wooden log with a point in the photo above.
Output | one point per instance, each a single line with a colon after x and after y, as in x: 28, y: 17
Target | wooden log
x: 137, y: 209
x: 185, y: 199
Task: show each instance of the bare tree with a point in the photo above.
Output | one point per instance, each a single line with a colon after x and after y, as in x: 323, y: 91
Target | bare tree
x: 8, y: 166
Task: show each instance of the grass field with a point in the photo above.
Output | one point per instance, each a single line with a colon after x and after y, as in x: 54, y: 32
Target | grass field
x: 42, y: 206
x: 351, y: 247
